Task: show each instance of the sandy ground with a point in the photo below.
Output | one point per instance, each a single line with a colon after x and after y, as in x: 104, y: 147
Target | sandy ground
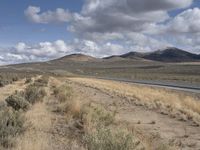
x: 159, y: 127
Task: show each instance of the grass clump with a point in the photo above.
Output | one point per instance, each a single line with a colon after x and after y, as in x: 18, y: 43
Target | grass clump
x: 43, y: 81
x: 34, y: 94
x: 17, y: 102
x: 63, y: 93
x: 66, y: 103
x: 107, y: 139
x: 2, y: 83
x: 99, y: 131
x: 97, y: 116
x: 15, y: 78
x: 28, y: 80
x: 11, y: 125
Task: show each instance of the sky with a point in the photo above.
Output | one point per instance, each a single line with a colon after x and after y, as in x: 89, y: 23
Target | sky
x: 39, y: 30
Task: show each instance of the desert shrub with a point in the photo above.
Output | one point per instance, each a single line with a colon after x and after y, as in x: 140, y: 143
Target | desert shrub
x: 11, y: 125
x: 63, y: 93
x: 66, y: 102
x: 2, y: 105
x: 107, y: 139
x: 2, y: 83
x: 34, y: 94
x: 96, y: 116
x: 71, y: 108
x: 15, y: 78
x: 43, y: 81
x: 17, y: 102
x: 28, y: 80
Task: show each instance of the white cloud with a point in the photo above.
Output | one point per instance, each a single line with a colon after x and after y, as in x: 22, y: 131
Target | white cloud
x: 59, y: 15
x: 23, y: 52
x: 102, y: 16
x: 186, y: 22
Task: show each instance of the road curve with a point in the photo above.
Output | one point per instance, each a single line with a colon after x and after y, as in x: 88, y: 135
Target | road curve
x: 172, y: 86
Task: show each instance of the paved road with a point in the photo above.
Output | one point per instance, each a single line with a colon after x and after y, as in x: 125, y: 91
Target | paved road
x: 173, y: 86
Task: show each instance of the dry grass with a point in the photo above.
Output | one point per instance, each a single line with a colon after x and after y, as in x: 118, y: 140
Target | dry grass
x: 66, y: 102
x: 102, y: 133
x: 63, y: 93
x: 37, y: 137
x: 153, y: 98
x: 42, y: 81
x: 13, y: 122
x: 95, y: 115
x: 90, y: 125
x: 110, y: 139
x: 11, y: 125
x: 11, y: 88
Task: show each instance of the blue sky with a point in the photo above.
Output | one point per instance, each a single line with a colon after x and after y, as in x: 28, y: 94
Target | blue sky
x: 31, y: 29
x: 15, y: 28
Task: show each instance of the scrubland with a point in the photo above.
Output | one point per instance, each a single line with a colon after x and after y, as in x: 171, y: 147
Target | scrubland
x: 12, y: 113
x: 49, y: 113
x: 90, y: 125
x: 173, y: 103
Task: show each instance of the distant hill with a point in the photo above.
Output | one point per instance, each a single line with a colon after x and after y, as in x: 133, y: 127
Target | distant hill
x: 170, y: 54
x: 133, y: 55
x: 114, y: 58
x: 76, y: 58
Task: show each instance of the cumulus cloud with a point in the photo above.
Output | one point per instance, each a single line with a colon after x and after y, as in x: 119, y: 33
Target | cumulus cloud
x: 110, y: 15
x: 118, y: 20
x: 123, y: 15
x: 42, y: 51
x: 59, y: 15
x: 186, y: 22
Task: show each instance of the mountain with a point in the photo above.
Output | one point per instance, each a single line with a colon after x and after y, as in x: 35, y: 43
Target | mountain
x: 76, y: 58
x: 133, y: 55
x: 170, y: 54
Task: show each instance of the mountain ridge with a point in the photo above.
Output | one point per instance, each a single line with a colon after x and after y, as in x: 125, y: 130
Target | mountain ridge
x: 170, y: 54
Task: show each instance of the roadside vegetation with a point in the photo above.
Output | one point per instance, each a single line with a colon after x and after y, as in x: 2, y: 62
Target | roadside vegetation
x: 12, y: 111
x: 177, y: 105
x: 91, y: 126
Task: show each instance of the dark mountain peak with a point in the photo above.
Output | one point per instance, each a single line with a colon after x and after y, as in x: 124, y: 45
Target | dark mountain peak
x: 172, y: 54
x: 133, y: 55
x: 169, y: 54
x: 173, y: 50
